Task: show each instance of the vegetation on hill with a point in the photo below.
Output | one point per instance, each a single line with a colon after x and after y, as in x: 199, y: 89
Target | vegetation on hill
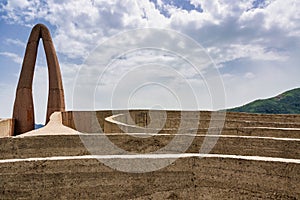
x: 285, y: 103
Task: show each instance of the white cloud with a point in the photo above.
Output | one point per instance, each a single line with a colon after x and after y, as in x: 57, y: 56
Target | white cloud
x: 250, y: 51
x: 265, y: 37
x: 13, y: 4
x: 14, y: 57
x: 81, y: 25
x: 249, y: 75
x: 15, y: 42
x: 283, y: 14
x: 23, y: 11
x: 219, y: 10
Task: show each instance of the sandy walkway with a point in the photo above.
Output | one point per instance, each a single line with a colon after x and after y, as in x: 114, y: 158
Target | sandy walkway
x: 54, y: 127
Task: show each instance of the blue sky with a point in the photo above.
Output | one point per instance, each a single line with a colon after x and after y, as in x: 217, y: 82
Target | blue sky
x: 255, y: 45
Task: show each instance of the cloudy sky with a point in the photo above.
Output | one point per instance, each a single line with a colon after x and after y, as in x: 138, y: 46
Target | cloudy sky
x: 173, y: 54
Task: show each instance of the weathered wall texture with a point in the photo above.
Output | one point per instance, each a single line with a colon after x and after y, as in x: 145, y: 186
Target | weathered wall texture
x: 6, y: 127
x: 187, y: 178
x: 68, y: 145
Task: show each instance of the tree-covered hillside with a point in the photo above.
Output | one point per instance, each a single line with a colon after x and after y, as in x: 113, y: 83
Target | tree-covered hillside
x: 285, y: 103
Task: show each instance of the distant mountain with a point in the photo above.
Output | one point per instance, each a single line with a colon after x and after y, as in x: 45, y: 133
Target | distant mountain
x: 285, y: 103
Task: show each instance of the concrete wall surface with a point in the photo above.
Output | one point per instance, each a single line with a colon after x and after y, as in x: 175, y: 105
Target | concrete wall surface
x: 6, y: 127
x: 75, y: 145
x: 152, y: 121
x: 186, y: 178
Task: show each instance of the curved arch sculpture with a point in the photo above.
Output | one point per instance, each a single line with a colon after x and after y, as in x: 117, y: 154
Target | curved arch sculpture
x: 23, y: 112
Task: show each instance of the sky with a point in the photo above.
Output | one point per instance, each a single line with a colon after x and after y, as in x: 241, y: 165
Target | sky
x: 159, y: 54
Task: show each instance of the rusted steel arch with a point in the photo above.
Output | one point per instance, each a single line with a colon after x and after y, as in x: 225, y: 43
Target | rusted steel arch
x: 23, y: 112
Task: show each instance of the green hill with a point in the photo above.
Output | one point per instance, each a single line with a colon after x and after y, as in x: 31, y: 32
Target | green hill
x: 285, y: 103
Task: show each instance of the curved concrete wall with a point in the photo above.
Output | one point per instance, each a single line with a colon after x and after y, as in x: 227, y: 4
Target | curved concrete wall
x: 171, y: 119
x: 235, y: 124
x: 72, y: 145
x: 186, y: 178
x: 242, y: 124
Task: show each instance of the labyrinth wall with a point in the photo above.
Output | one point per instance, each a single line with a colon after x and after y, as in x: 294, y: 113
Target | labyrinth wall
x: 168, y: 121
x: 186, y: 178
x: 253, y: 157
